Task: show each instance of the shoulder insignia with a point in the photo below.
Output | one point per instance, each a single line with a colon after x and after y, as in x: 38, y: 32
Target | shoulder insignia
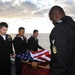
x: 9, y: 37
x: 54, y: 50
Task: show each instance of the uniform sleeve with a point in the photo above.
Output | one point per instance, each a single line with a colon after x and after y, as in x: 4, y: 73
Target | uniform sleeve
x: 59, y: 51
x: 17, y: 45
x: 39, y: 46
x: 11, y: 47
x: 26, y: 44
x: 9, y: 44
x: 30, y: 45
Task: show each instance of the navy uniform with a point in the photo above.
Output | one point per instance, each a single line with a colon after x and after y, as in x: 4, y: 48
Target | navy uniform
x: 5, y: 51
x: 20, y: 46
x: 33, y: 44
x: 62, y: 40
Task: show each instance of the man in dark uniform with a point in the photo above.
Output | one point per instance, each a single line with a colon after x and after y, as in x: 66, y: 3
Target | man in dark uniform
x: 62, y: 40
x: 20, y: 46
x: 5, y: 50
x: 33, y: 42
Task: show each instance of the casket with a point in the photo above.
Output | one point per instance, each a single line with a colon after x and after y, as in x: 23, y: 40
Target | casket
x: 29, y: 70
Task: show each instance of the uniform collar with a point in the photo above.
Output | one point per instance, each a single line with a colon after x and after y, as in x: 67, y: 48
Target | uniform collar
x: 20, y: 37
x: 3, y: 36
x: 59, y: 21
x: 34, y: 37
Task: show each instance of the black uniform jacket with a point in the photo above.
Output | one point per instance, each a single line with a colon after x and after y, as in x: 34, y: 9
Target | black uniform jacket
x: 5, y: 51
x: 62, y: 40
x: 33, y: 44
x: 20, y: 45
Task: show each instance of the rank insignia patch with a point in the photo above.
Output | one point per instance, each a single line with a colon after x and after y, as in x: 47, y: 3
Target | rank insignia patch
x: 54, y: 50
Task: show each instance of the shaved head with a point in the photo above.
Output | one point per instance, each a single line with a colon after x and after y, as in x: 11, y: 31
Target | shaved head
x: 55, y: 10
x: 55, y: 13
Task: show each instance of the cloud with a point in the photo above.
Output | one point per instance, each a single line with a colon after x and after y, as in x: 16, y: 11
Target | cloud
x: 41, y: 12
x: 24, y: 9
x: 27, y: 8
x: 67, y: 5
x: 33, y: 8
x: 32, y: 13
x: 28, y: 5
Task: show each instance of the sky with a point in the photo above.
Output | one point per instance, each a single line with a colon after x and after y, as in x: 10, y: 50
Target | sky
x: 32, y: 14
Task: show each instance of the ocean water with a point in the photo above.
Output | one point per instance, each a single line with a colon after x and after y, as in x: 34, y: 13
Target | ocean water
x: 42, y: 37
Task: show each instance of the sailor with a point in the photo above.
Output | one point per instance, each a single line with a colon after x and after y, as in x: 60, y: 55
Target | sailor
x: 20, y: 46
x: 62, y: 40
x: 33, y: 42
x: 5, y: 49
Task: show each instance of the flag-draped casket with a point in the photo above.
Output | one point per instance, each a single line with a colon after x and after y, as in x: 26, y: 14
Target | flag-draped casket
x: 35, y: 63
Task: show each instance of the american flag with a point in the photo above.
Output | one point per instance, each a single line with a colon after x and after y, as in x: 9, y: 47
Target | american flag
x: 42, y: 56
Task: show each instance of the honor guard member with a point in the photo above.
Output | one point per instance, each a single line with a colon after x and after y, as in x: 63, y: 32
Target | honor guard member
x: 5, y: 50
x: 33, y: 42
x: 62, y: 40
x: 20, y: 46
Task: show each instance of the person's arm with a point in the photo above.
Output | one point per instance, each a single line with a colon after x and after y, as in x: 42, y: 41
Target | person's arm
x: 26, y: 45
x: 17, y: 45
x: 40, y: 47
x: 30, y: 44
x: 59, y: 53
x: 10, y: 45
